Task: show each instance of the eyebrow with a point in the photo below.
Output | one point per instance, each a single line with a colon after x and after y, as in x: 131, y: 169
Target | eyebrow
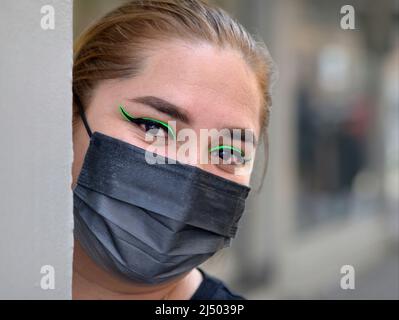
x: 178, y: 113
x: 163, y: 106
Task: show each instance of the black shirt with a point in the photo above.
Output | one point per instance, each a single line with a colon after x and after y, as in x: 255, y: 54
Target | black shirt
x: 212, y: 288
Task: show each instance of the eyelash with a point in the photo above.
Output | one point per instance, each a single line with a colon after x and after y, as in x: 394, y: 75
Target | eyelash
x: 170, y: 132
x: 148, y: 121
x: 233, y: 152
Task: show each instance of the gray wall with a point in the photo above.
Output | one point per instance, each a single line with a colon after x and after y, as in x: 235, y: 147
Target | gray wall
x: 36, y: 149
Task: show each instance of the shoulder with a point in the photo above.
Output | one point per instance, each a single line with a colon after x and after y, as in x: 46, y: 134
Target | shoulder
x: 212, y: 288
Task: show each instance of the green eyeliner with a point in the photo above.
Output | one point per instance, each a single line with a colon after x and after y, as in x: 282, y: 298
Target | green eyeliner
x: 230, y: 148
x: 129, y: 117
x: 225, y: 147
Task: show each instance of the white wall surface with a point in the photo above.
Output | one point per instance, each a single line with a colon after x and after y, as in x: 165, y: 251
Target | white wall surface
x: 36, y: 220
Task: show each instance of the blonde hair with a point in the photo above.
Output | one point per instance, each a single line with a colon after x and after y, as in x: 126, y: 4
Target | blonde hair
x: 115, y: 46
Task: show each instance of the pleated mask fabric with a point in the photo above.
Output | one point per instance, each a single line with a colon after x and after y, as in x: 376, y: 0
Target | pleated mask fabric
x: 150, y: 223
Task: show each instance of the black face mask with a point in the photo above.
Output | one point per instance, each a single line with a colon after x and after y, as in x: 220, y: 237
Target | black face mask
x: 151, y: 223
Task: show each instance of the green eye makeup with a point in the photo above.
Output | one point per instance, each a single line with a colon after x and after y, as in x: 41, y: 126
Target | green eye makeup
x: 166, y: 127
x: 231, y: 148
x: 130, y: 118
x: 226, y: 147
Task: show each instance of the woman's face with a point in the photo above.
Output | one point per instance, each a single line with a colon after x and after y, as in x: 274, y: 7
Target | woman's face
x: 196, y: 86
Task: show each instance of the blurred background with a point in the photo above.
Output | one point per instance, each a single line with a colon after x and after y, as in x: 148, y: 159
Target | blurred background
x: 331, y: 193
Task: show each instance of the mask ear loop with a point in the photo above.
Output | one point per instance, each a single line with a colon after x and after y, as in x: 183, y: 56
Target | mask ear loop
x: 82, y: 114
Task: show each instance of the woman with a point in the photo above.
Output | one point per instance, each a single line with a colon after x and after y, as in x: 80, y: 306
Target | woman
x: 154, y: 69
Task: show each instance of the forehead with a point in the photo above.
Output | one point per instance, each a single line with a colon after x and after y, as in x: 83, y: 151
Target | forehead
x: 215, y: 86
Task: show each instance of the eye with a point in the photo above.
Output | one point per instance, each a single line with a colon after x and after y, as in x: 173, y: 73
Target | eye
x: 229, y: 155
x: 156, y: 128
x: 153, y: 127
